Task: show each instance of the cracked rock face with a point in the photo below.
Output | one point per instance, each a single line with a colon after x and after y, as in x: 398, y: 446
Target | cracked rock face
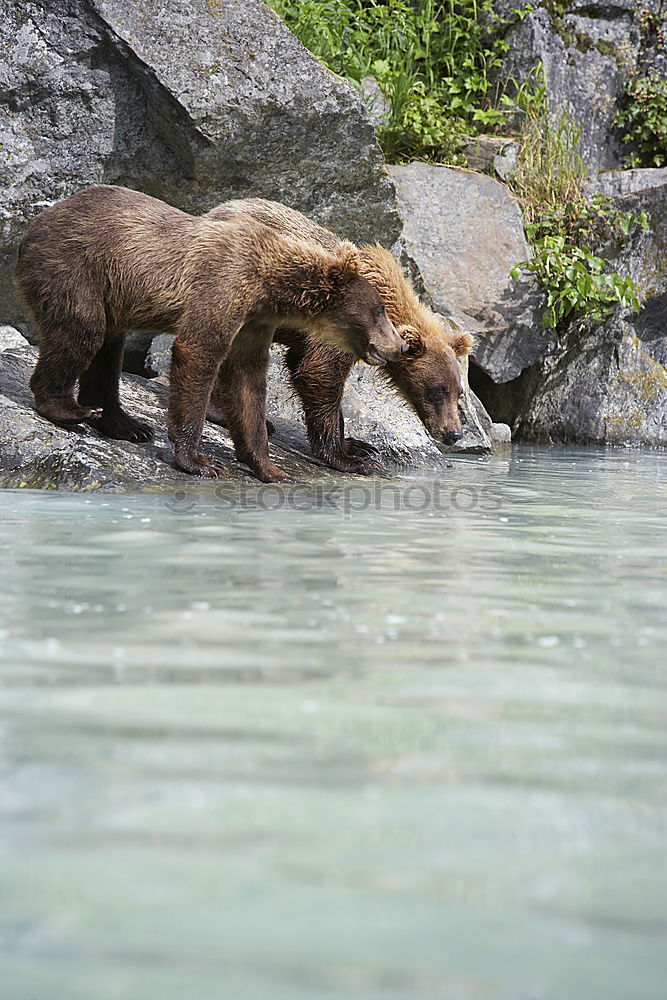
x: 465, y: 232
x: 608, y: 385
x: 615, y: 183
x: 193, y: 103
x: 588, y: 52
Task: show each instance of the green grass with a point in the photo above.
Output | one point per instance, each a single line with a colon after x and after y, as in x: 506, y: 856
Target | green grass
x: 439, y: 63
x: 436, y: 60
x: 565, y: 229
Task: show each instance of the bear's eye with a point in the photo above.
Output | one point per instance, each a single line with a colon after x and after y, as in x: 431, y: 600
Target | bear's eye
x: 436, y: 395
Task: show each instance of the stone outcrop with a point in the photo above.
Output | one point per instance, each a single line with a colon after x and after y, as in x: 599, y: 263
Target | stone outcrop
x: 193, y: 103
x: 614, y: 183
x: 465, y: 231
x: 36, y: 453
x: 609, y: 384
x: 492, y: 154
x: 605, y: 386
x: 602, y: 384
x: 605, y: 383
x: 588, y: 51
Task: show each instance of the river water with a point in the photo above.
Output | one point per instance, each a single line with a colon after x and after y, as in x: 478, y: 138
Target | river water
x: 399, y: 742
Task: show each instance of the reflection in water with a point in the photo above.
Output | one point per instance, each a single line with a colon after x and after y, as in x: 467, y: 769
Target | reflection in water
x: 333, y: 752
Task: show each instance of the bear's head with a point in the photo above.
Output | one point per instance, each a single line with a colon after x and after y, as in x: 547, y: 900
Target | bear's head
x: 347, y: 310
x: 429, y: 377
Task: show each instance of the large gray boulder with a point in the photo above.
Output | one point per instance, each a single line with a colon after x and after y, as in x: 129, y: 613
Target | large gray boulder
x: 608, y: 384
x: 465, y: 232
x: 9, y: 337
x: 613, y: 183
x: 588, y: 51
x: 194, y: 103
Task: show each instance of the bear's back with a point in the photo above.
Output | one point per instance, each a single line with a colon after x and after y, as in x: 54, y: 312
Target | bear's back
x: 284, y: 220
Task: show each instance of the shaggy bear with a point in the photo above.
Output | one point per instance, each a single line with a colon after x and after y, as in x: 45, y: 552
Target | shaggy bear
x: 109, y: 259
x: 427, y: 376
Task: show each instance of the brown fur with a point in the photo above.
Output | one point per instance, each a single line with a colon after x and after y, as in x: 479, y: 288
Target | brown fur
x: 109, y: 259
x: 427, y: 376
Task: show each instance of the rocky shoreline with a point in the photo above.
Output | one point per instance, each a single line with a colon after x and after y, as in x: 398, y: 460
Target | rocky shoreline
x: 180, y: 104
x: 36, y: 454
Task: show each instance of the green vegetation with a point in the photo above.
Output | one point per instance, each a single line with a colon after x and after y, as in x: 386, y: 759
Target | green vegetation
x: 435, y: 61
x: 557, y: 10
x: 643, y: 111
x: 550, y: 171
x: 643, y: 116
x: 572, y: 276
x: 566, y: 231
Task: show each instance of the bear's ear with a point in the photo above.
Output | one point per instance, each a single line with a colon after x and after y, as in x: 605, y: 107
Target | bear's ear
x: 461, y: 343
x: 413, y: 340
x: 323, y: 275
x: 345, y: 264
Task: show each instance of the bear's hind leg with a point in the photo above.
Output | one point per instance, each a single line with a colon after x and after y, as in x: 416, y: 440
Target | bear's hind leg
x: 63, y: 355
x: 99, y: 387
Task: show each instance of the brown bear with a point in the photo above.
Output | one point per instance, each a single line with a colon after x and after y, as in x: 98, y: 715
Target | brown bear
x: 108, y: 259
x: 428, y: 376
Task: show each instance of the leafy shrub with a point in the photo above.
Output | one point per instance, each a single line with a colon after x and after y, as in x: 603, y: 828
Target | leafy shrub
x: 434, y: 59
x: 566, y: 230
x: 574, y: 281
x: 572, y: 276
x: 643, y: 116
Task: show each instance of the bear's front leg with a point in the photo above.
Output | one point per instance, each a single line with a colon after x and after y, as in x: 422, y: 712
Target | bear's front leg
x: 326, y: 433
x: 193, y: 371
x: 240, y: 392
x: 318, y: 373
x: 215, y: 415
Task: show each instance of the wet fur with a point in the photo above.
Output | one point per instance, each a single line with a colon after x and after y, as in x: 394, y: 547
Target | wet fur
x: 109, y: 259
x: 428, y: 376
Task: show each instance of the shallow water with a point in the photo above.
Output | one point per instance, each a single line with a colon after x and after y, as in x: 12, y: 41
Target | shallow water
x: 323, y: 751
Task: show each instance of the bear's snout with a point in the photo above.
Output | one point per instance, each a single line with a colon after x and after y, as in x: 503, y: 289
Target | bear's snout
x: 385, y: 344
x: 452, y: 437
x: 373, y: 357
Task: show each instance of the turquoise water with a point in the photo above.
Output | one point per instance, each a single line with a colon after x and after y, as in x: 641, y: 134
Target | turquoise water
x: 390, y: 746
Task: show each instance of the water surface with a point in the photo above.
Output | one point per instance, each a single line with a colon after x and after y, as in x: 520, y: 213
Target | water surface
x: 411, y: 751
